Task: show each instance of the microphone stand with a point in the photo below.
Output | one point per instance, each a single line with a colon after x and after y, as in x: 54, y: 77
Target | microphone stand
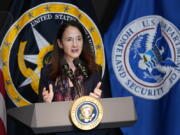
x: 78, y: 87
x: 70, y: 75
x: 78, y: 63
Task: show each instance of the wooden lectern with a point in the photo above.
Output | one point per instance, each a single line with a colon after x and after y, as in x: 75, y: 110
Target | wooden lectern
x: 54, y: 117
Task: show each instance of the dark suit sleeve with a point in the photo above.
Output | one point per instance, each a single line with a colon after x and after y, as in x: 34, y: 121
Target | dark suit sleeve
x: 91, y: 83
x: 105, y: 87
x: 42, y: 83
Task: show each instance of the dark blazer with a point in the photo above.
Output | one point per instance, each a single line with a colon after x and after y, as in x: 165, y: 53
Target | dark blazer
x: 89, y: 84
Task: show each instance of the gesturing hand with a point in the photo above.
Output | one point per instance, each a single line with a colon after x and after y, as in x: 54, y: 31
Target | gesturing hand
x: 48, y: 94
x: 97, y: 91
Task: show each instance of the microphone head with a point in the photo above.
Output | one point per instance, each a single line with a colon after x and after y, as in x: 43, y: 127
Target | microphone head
x: 68, y: 71
x: 77, y: 61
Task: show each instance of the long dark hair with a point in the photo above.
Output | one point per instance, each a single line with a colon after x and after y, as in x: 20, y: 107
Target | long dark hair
x: 58, y: 53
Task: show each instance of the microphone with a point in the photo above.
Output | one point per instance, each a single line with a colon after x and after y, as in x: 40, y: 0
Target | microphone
x: 67, y: 70
x: 69, y: 73
x: 77, y: 62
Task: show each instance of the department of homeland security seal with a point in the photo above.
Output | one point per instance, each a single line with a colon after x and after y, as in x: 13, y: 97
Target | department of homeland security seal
x: 27, y: 46
x: 146, y: 57
x: 86, y: 112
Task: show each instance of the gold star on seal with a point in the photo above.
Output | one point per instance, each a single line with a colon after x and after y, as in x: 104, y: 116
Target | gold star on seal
x: 47, y: 8
x: 98, y: 46
x: 7, y: 43
x: 79, y: 16
x: 8, y: 82
x: 30, y: 15
x: 91, y: 29
x: 17, y: 99
x: 4, y: 64
x: 17, y: 27
x: 66, y: 9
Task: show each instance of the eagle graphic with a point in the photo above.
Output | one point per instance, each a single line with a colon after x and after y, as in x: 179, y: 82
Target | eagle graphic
x: 154, y: 55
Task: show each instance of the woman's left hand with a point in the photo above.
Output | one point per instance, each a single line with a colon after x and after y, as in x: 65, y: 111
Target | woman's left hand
x: 97, y: 91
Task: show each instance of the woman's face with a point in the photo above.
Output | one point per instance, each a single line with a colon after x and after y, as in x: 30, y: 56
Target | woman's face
x: 72, y: 43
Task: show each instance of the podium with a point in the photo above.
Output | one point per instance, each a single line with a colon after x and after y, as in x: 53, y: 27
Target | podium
x: 54, y: 117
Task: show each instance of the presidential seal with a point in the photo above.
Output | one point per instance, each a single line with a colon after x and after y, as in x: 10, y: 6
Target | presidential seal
x: 146, y: 57
x: 86, y: 112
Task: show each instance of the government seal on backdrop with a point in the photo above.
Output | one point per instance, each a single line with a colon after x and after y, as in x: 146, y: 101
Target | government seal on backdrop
x: 146, y: 56
x: 27, y: 46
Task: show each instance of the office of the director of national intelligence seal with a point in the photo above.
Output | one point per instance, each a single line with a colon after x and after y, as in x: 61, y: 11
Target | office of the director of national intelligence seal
x: 86, y: 112
x: 146, y: 57
x: 28, y: 44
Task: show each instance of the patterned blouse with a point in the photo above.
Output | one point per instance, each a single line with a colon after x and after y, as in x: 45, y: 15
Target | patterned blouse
x: 63, y: 92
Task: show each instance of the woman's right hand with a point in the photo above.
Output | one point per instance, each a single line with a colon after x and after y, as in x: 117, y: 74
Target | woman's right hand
x: 48, y: 94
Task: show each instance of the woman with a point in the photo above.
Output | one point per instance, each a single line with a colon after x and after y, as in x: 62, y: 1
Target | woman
x: 62, y: 80
x: 70, y: 44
